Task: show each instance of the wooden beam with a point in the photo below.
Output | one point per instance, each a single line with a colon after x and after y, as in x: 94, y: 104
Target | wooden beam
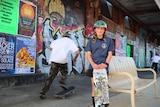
x: 146, y: 11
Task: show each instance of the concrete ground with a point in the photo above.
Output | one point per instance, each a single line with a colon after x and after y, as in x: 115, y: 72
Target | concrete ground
x: 28, y: 95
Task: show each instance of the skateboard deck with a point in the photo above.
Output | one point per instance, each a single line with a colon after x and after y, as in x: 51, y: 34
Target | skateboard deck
x: 66, y: 92
x: 100, y: 87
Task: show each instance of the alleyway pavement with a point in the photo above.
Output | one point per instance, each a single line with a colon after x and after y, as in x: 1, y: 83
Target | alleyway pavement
x: 28, y: 95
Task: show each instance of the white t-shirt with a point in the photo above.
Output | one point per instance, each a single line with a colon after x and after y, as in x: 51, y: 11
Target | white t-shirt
x: 155, y: 59
x: 60, y: 49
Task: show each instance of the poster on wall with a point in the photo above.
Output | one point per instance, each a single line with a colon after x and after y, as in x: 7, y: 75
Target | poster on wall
x: 7, y: 53
x: 9, y: 16
x: 121, y: 45
x: 25, y: 55
x: 27, y: 18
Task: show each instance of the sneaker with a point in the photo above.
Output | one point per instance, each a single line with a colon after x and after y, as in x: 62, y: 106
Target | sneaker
x: 106, y: 105
x: 61, y: 82
x: 42, y: 95
x: 64, y: 86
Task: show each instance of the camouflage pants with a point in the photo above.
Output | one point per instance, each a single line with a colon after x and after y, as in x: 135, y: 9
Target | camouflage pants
x: 55, y: 68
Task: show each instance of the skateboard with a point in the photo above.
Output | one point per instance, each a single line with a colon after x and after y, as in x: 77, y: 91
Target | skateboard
x: 65, y: 92
x: 101, y: 94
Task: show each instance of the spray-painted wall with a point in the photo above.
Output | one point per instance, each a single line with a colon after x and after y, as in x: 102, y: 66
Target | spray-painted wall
x: 141, y: 49
x: 56, y: 18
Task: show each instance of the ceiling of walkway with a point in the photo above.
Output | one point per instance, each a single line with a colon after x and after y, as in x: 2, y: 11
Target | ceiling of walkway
x: 145, y: 12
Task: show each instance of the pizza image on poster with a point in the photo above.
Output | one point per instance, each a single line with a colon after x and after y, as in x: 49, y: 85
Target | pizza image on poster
x: 25, y: 55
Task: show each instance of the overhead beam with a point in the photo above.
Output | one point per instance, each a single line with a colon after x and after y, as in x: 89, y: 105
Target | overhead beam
x: 153, y: 24
x: 146, y: 11
x: 119, y: 5
x: 156, y: 31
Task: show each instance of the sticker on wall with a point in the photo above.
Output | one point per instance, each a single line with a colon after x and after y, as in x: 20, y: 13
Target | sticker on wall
x: 27, y: 18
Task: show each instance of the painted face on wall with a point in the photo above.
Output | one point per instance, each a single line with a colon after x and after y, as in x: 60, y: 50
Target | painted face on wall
x: 57, y: 18
x: 99, y: 31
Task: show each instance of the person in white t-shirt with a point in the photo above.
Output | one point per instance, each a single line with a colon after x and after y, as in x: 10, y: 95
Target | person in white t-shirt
x: 58, y: 60
x: 155, y: 61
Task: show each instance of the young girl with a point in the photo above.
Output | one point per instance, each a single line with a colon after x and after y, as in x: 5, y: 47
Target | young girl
x: 99, y: 51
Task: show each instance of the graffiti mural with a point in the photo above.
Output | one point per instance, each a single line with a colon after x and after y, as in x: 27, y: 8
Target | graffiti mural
x: 141, y: 49
x: 56, y: 18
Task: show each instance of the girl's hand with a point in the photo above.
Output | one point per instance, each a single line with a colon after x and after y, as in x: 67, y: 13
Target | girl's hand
x: 95, y: 66
x: 102, y: 66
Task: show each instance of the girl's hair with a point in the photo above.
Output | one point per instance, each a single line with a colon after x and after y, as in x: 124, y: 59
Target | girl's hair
x: 95, y: 37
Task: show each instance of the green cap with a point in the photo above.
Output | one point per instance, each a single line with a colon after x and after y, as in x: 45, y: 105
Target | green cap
x: 100, y: 23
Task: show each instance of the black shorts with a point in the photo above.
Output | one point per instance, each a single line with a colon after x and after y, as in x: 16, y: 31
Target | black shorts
x: 90, y: 73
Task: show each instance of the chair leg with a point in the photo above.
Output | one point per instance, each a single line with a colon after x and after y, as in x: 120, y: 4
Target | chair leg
x: 132, y: 99
x: 156, y: 91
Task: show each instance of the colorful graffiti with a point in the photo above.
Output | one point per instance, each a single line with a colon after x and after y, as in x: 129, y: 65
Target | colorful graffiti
x: 141, y: 49
x: 56, y: 18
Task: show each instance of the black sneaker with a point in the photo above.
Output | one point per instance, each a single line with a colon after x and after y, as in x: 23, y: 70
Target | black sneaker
x: 106, y: 105
x: 61, y: 82
x: 42, y: 95
x: 64, y: 86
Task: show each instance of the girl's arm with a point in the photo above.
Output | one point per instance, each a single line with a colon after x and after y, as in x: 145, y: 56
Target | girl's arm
x: 106, y: 63
x: 108, y: 59
x: 93, y: 64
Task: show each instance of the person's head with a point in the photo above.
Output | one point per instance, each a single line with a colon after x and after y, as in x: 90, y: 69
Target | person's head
x: 66, y: 35
x: 100, y: 27
x: 157, y: 54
